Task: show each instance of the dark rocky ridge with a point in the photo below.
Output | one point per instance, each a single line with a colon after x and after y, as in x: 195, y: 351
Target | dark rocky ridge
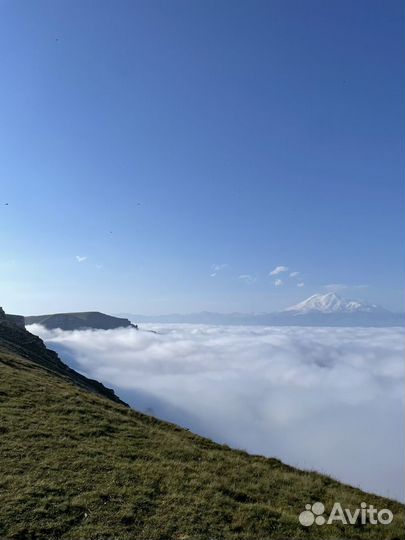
x: 14, y: 338
x: 19, y: 320
x: 79, y: 321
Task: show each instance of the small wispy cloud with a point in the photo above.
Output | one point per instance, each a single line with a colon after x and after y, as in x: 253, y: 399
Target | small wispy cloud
x: 300, y: 284
x: 294, y: 274
x: 215, y: 268
x: 278, y: 283
x: 336, y: 287
x: 99, y: 266
x: 278, y: 270
x: 247, y: 278
x: 80, y: 259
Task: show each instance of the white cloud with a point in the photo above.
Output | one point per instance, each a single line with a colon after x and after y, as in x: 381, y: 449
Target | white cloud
x: 278, y: 283
x: 337, y: 287
x: 329, y: 399
x: 215, y: 268
x: 294, y: 274
x: 247, y: 278
x: 80, y: 259
x: 278, y: 270
x: 300, y: 284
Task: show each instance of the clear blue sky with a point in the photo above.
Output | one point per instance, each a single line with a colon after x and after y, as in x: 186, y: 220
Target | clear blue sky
x: 253, y: 134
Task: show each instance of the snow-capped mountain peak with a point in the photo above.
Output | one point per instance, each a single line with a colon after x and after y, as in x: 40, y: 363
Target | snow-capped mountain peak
x: 330, y: 303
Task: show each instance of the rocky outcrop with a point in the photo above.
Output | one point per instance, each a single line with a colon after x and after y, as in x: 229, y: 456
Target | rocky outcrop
x: 19, y: 320
x: 16, y: 340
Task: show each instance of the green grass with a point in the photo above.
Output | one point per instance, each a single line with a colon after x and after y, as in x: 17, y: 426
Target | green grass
x: 76, y: 465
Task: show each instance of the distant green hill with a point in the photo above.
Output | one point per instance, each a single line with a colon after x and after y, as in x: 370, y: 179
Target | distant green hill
x: 78, y: 321
x: 77, y: 464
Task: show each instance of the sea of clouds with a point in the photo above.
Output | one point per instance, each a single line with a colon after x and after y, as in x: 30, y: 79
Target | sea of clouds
x: 329, y: 399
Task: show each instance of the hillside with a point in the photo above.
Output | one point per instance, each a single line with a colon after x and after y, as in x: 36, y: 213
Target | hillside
x: 78, y: 321
x: 77, y: 464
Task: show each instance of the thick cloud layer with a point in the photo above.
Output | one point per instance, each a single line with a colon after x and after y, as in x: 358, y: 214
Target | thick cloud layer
x: 329, y: 399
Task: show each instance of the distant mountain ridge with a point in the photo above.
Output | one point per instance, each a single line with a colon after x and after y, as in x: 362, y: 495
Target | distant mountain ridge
x: 79, y: 321
x: 318, y: 310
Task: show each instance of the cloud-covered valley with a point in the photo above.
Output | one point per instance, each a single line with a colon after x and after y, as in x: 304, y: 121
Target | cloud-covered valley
x: 329, y: 399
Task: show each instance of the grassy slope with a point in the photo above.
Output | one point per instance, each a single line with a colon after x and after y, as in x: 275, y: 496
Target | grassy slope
x: 76, y: 465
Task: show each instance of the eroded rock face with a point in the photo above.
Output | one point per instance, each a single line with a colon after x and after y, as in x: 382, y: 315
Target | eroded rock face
x: 19, y: 320
x: 15, y: 319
